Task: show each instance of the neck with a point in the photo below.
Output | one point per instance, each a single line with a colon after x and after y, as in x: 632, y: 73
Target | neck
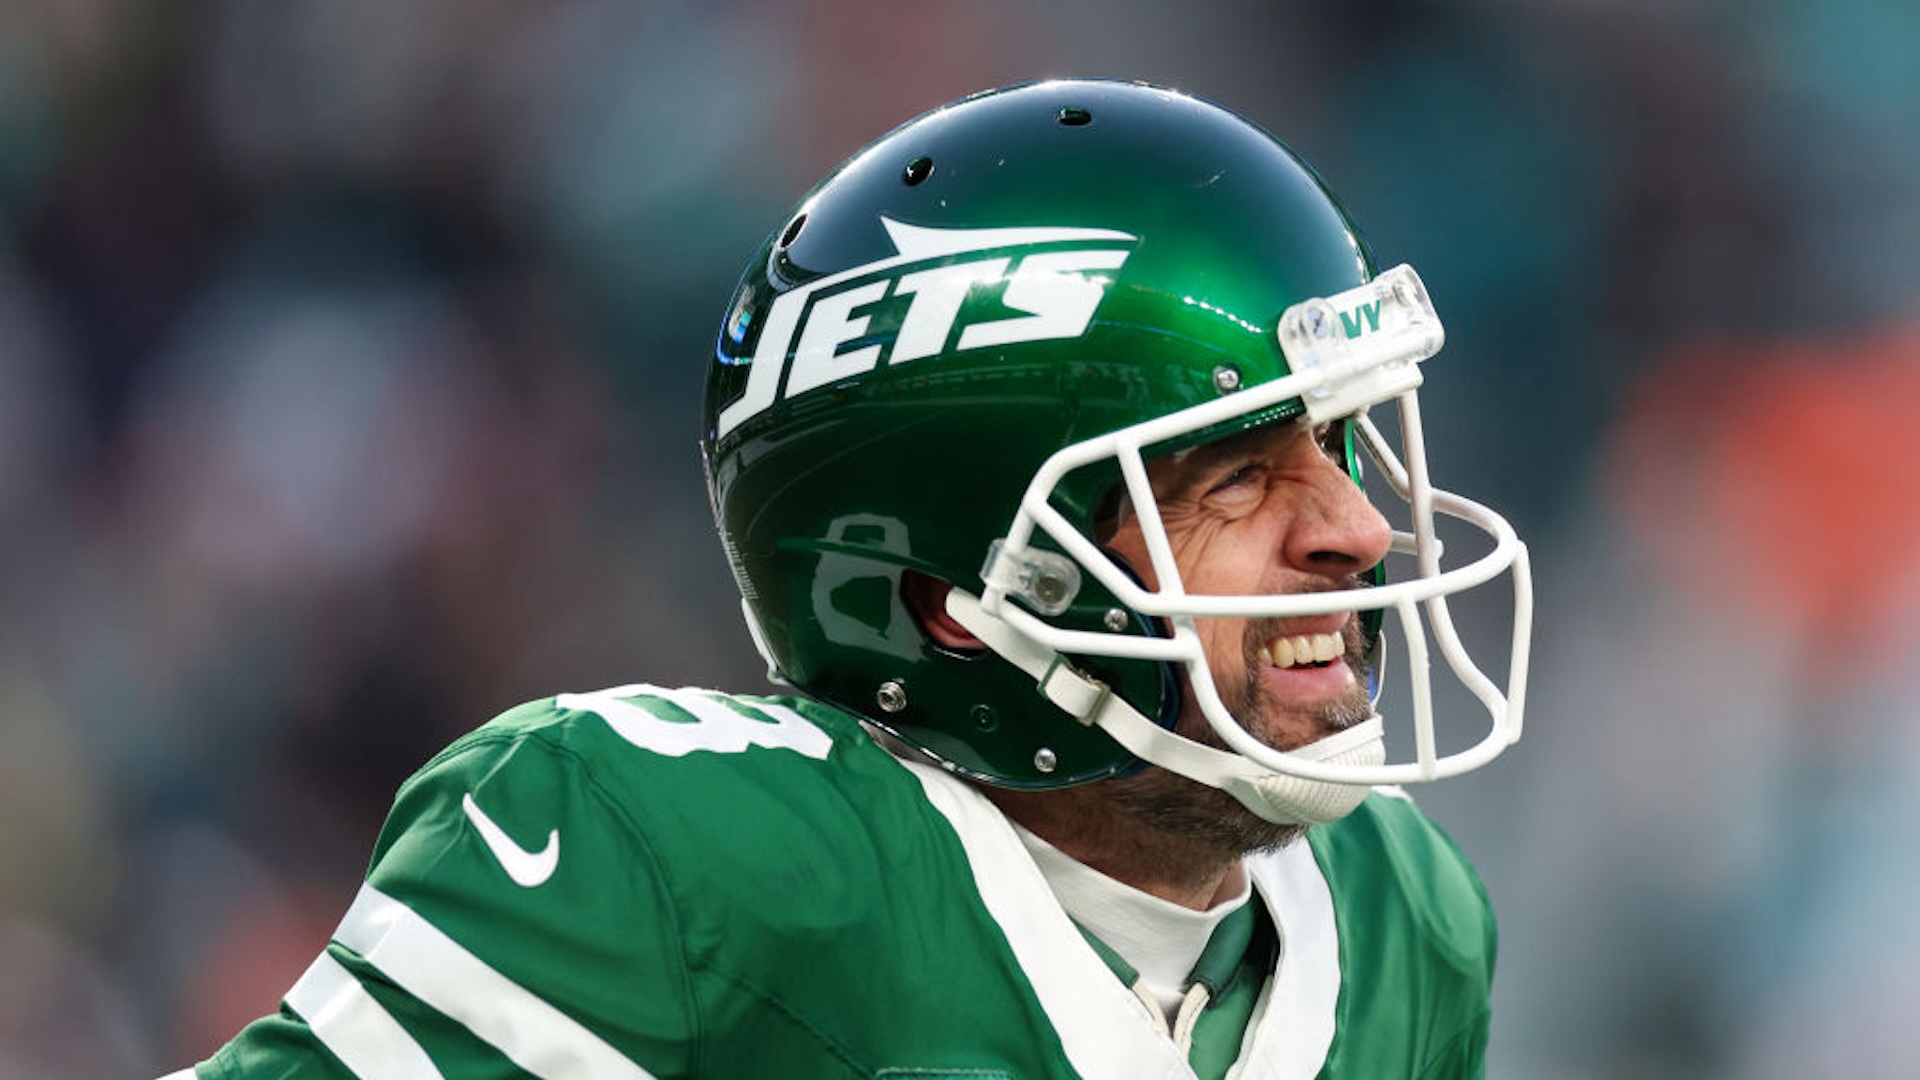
x: 1087, y: 824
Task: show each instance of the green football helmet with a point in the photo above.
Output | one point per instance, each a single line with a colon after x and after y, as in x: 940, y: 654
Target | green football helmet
x: 957, y: 349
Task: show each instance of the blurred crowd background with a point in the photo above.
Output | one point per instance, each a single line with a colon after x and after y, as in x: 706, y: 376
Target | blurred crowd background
x: 350, y: 358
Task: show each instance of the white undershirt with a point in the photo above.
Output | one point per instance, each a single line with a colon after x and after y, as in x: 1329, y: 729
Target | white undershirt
x: 1161, y: 939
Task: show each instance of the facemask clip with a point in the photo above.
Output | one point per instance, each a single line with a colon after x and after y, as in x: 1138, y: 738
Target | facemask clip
x: 1361, y: 346
x: 1045, y: 581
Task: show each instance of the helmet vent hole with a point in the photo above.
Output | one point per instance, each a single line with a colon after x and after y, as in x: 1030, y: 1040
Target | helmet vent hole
x: 1075, y: 116
x: 792, y: 231
x: 917, y: 170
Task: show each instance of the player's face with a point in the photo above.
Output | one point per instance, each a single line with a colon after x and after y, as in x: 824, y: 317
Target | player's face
x: 1270, y: 511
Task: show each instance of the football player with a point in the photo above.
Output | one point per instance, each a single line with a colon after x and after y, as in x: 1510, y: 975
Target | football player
x: 1034, y: 435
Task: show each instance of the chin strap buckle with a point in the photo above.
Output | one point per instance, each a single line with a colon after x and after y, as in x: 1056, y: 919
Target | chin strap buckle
x: 1079, y: 695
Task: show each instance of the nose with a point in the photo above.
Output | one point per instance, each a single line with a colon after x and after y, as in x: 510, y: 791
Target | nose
x: 1336, y: 531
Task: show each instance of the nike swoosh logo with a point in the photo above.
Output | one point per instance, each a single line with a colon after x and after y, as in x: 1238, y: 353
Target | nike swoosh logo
x: 526, y: 868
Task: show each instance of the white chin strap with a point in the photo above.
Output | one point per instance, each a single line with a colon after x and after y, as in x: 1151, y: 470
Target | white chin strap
x: 1274, y: 796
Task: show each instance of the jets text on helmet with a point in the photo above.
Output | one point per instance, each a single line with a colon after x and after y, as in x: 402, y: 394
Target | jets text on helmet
x: 1056, y: 286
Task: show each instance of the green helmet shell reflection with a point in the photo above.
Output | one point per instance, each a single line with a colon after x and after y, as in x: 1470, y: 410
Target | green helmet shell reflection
x: 986, y: 284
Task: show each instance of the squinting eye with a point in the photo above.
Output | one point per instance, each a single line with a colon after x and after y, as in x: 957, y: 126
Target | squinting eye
x: 1245, y: 474
x: 1237, y: 477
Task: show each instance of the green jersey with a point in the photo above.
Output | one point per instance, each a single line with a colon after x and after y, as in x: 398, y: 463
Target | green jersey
x: 676, y: 883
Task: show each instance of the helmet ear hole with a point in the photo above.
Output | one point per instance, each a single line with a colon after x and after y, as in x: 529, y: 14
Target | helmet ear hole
x: 926, y: 599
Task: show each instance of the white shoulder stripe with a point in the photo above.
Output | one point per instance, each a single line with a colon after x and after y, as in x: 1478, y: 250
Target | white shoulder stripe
x: 435, y: 969
x: 346, y: 1020
x: 716, y: 727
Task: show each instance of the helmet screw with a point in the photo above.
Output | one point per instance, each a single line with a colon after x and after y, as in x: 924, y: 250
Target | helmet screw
x: 1045, y: 760
x: 1226, y: 379
x: 984, y: 718
x: 1115, y: 619
x: 1317, y: 323
x: 891, y: 696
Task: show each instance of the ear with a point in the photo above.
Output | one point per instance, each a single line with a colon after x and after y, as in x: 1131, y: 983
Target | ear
x: 926, y: 599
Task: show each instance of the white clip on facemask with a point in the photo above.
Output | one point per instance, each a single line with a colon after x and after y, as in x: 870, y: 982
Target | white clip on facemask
x: 1345, y: 352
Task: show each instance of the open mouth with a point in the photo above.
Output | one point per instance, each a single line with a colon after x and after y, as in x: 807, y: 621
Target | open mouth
x: 1302, y: 650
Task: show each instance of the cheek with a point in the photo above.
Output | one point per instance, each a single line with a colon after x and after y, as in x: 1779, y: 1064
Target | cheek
x: 1216, y: 555
x: 1212, y: 561
x: 1225, y: 644
x: 1224, y: 558
x: 1190, y: 537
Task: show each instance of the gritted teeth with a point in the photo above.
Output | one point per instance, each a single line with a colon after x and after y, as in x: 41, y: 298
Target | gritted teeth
x: 1297, y: 650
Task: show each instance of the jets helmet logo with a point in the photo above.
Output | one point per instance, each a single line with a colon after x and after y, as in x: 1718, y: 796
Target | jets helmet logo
x: 1049, y: 274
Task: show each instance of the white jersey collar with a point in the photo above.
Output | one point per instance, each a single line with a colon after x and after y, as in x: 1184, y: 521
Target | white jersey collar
x: 1107, y: 1032
x: 1159, y: 938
